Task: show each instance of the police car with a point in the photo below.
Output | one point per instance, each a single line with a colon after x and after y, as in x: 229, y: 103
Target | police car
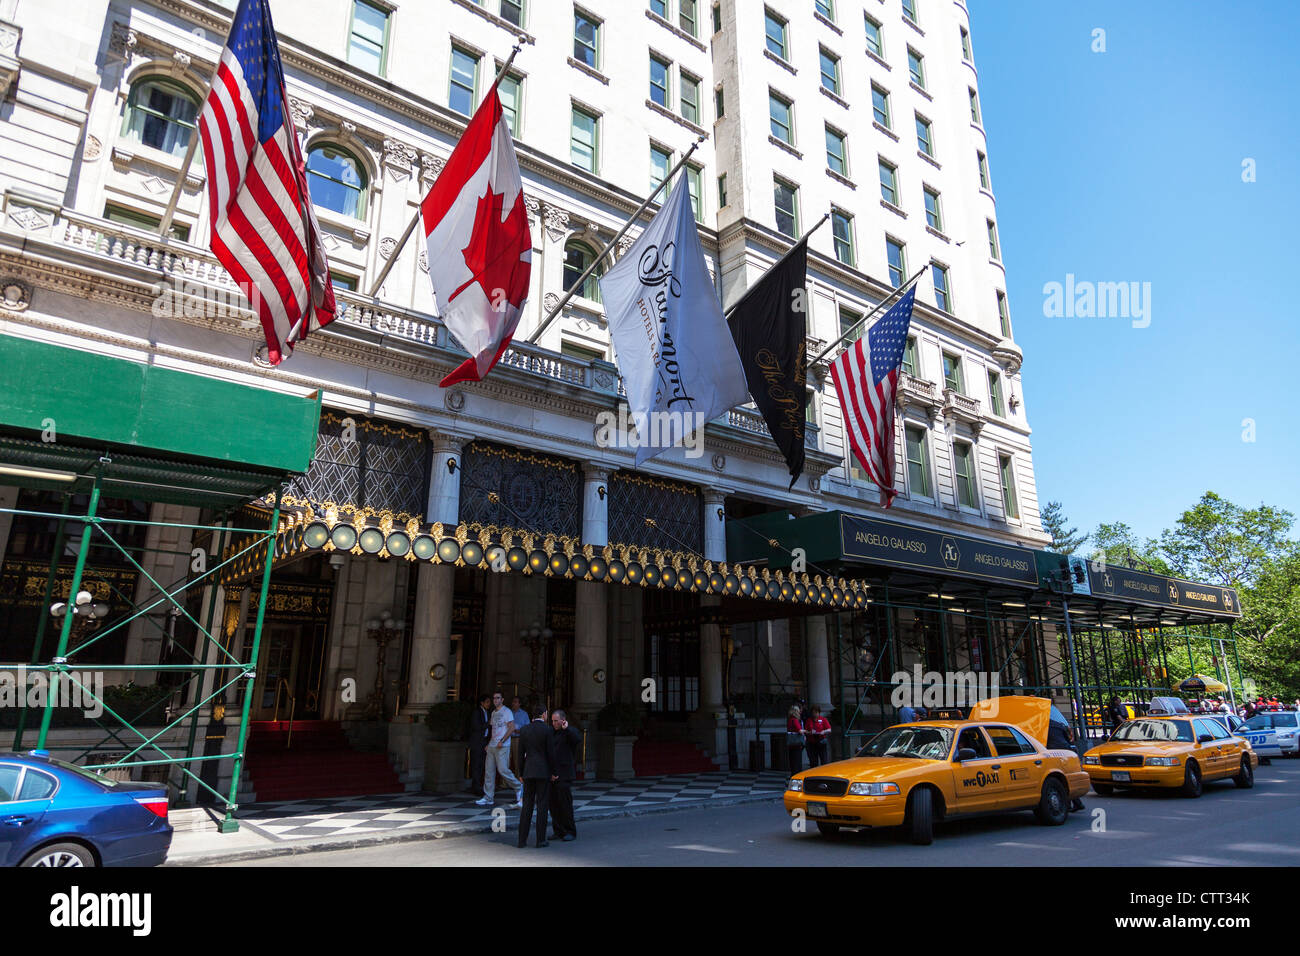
x: 1274, y: 733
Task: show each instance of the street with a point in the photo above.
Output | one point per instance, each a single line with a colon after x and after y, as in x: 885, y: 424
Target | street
x: 1225, y: 826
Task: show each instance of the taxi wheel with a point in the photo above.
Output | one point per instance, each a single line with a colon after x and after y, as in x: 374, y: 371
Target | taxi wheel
x: 1054, y: 806
x: 830, y: 831
x: 1245, y: 779
x: 1192, y: 780
x: 1103, y: 789
x: 920, y: 816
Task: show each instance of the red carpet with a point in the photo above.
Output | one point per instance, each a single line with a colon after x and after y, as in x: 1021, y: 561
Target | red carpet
x: 320, y: 763
x: 653, y: 758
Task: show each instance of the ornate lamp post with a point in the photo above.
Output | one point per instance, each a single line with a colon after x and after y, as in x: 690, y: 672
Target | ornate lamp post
x: 86, y: 612
x: 382, y: 631
x: 535, y: 637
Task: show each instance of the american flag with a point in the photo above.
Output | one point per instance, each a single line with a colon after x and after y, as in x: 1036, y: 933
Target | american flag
x: 866, y: 378
x: 263, y: 229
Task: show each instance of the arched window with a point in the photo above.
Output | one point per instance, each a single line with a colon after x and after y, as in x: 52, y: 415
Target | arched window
x: 337, y: 180
x: 577, y: 256
x: 161, y: 113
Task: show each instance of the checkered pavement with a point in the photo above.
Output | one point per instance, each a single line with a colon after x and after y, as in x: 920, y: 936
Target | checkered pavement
x: 356, y: 816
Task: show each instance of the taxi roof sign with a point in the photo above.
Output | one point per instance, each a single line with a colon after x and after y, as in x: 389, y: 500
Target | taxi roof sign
x: 1167, y: 707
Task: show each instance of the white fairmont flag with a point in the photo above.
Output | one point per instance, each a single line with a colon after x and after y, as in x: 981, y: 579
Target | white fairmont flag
x: 679, y: 362
x: 480, y: 249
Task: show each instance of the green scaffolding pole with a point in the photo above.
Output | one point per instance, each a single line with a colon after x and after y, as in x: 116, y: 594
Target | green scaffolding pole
x: 230, y: 824
x: 44, y: 615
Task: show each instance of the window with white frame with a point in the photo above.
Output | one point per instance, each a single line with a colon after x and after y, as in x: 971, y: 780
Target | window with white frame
x: 161, y: 113
x: 1006, y: 468
x: 963, y: 469
x: 918, y: 462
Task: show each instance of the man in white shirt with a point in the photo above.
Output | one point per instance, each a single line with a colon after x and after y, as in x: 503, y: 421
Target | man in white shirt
x: 502, y: 723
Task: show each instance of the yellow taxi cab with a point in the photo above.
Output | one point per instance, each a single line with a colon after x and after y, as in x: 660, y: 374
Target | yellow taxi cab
x: 1169, y: 747
x: 913, y: 775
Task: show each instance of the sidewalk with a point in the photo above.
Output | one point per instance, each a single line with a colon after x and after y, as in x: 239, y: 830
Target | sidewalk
x: 301, y: 826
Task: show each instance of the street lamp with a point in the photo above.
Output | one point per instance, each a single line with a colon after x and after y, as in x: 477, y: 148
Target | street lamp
x: 382, y: 630
x: 85, y: 610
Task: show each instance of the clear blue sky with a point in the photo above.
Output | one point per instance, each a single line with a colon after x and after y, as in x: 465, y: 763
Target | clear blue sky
x: 1127, y: 166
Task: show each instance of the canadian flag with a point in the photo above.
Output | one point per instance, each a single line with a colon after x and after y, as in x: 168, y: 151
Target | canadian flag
x: 480, y: 249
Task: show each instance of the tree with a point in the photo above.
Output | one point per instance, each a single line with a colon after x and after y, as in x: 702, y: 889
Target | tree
x: 1054, y: 521
x: 1120, y: 546
x: 1218, y: 541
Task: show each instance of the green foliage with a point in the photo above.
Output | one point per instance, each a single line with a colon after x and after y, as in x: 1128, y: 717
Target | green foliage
x: 618, y: 718
x: 1219, y: 542
x: 449, y: 720
x: 1064, y: 540
x: 1120, y: 545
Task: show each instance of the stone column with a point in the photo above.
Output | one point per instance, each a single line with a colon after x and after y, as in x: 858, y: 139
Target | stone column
x: 444, y: 486
x: 816, y: 634
x: 715, y: 524
x: 591, y: 631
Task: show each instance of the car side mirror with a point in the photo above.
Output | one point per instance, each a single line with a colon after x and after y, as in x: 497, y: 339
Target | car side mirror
x: 1204, y: 738
x: 966, y: 753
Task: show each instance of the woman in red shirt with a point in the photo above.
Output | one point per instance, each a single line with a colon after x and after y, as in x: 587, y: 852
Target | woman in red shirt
x: 817, y: 731
x: 794, y: 739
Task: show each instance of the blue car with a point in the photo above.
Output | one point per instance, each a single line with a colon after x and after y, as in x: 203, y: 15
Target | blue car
x: 55, y: 814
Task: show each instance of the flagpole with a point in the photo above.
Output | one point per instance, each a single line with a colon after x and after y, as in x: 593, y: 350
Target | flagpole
x: 779, y: 262
x: 572, y: 290
x: 856, y: 325
x: 410, y: 226
x: 166, y: 223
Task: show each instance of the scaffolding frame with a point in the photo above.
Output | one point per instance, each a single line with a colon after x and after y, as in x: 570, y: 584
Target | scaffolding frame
x: 210, y: 677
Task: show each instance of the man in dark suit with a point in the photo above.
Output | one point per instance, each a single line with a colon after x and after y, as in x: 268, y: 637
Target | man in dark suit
x: 564, y: 771
x: 479, y: 729
x: 537, y: 755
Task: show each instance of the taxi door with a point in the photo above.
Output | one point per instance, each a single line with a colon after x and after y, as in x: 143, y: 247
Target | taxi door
x: 1020, y: 766
x: 976, y: 782
x: 1220, y: 755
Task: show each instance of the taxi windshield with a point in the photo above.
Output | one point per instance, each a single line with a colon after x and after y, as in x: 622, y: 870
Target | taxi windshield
x: 1155, y: 730
x: 924, y: 743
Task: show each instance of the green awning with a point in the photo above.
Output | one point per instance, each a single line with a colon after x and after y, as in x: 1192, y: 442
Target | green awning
x: 169, y: 435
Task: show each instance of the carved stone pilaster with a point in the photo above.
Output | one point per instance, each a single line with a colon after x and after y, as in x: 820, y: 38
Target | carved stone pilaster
x: 123, y: 42
x: 430, y: 168
x: 557, y: 222
x: 302, y: 113
x: 399, y: 157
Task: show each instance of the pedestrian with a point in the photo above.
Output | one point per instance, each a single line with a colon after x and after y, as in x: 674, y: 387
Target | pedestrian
x: 563, y: 772
x: 1116, y: 713
x: 906, y: 714
x: 818, y: 734
x: 521, y: 721
x: 794, y: 739
x: 479, y: 729
x: 498, y: 754
x: 537, y: 752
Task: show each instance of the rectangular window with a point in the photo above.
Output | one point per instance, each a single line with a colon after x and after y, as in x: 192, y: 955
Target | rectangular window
x: 994, y: 253
x: 842, y: 234
x: 933, y: 214
x: 686, y: 16
x: 909, y: 10
x: 722, y: 190
x: 462, y: 93
x: 924, y: 135
x: 942, y: 295
x: 510, y: 90
x: 580, y: 352
x: 368, y: 37
x: 909, y: 357
x: 916, y: 67
x: 340, y: 281
x: 586, y: 40
x: 974, y: 106
x: 836, y: 152
x: 1008, y: 486
x: 995, y: 395
x: 142, y: 220
x: 880, y: 105
x: 659, y: 70
x: 719, y: 103
x: 690, y: 98
x: 775, y: 30
x: 779, y: 112
x: 717, y: 18
x: 963, y: 466
x: 965, y: 44
x: 918, y: 462
x: 826, y: 8
x: 952, y: 376
x: 895, y: 255
x: 512, y: 11
x: 695, y: 186
x: 661, y: 160
x: 830, y: 71
x: 584, y: 140
x: 984, y: 169
x: 1004, y: 314
x: 889, y: 183
x: 785, y: 197
x: 875, y: 40
x: 659, y: 8
x: 848, y: 319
